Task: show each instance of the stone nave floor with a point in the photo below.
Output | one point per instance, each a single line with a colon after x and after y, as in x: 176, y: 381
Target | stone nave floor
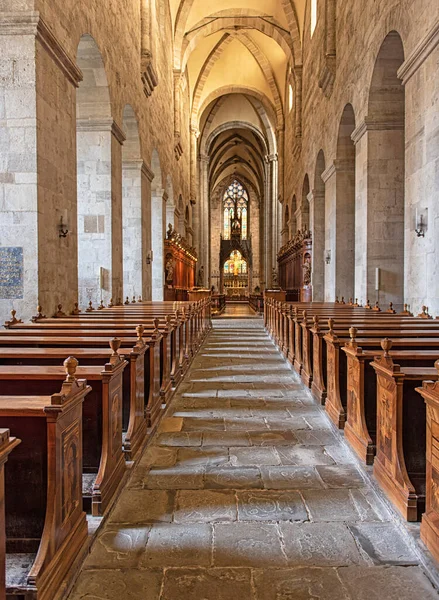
x: 246, y: 493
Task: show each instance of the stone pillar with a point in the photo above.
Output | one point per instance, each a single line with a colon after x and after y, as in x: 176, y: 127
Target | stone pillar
x: 158, y: 208
x: 132, y: 227
x: 379, y: 215
x: 147, y: 177
x: 204, y: 251
x: 419, y: 76
x: 99, y: 209
x: 339, y: 180
x: 316, y: 200
x: 194, y: 196
x: 271, y: 230
x: 37, y: 86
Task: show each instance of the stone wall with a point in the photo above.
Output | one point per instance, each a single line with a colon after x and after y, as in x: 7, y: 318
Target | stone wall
x: 41, y: 178
x: 381, y: 229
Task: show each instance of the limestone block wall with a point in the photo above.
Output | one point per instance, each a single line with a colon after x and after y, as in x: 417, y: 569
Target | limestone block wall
x: 40, y: 150
x: 18, y: 176
x: 361, y: 28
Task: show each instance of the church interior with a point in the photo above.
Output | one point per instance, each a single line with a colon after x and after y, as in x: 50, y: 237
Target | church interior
x: 219, y: 299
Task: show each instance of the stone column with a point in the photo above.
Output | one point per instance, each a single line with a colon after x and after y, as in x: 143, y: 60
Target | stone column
x: 147, y: 177
x: 204, y: 252
x: 316, y: 200
x: 132, y: 228
x: 419, y: 76
x: 194, y: 196
x: 99, y: 209
x: 38, y: 86
x: 379, y: 218
x: 271, y: 230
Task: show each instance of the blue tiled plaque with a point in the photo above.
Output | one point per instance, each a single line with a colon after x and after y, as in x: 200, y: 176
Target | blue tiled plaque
x: 11, y: 273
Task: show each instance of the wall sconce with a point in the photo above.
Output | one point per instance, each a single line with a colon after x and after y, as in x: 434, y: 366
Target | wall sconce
x: 62, y: 229
x: 328, y: 257
x: 421, y: 221
x: 149, y: 257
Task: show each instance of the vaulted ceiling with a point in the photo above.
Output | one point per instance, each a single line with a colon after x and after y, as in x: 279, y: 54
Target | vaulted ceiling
x: 237, y: 62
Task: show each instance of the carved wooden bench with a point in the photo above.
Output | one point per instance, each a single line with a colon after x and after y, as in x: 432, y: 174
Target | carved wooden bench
x: 45, y: 522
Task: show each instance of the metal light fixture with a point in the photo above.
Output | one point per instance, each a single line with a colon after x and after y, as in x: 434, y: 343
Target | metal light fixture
x: 62, y: 229
x: 328, y: 257
x: 149, y: 257
x: 421, y: 222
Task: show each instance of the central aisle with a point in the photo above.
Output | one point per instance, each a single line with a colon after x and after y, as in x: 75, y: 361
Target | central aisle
x: 246, y: 493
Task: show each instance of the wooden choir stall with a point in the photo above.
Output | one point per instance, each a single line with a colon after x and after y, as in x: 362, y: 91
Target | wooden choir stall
x: 180, y: 266
x: 294, y: 265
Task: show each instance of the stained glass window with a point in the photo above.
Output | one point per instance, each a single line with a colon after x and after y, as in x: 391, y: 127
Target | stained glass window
x: 235, y: 193
x: 236, y: 265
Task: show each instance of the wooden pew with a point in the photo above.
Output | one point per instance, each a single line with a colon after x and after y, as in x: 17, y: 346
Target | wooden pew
x: 45, y: 522
x: 361, y: 419
x: 336, y: 399
x: 104, y: 461
x: 400, y: 464
x: 140, y: 399
x: 7, y: 444
x: 430, y: 519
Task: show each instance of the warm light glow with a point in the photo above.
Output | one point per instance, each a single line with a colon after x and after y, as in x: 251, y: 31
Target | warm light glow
x: 290, y: 98
x: 313, y: 16
x: 236, y: 265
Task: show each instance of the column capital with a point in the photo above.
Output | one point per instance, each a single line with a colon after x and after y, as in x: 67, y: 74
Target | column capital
x: 204, y: 158
x: 146, y: 171
x: 373, y: 124
x: 420, y: 53
x: 271, y: 158
x: 101, y: 124
x: 31, y: 23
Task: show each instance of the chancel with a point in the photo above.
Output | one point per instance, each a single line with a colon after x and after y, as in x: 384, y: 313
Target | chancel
x: 219, y: 257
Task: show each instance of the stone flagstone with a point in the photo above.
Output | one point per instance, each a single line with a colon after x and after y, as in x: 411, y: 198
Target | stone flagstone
x: 247, y: 492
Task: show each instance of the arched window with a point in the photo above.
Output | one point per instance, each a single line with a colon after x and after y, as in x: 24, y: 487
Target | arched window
x: 290, y: 98
x: 235, y: 198
x: 313, y: 16
x: 236, y: 265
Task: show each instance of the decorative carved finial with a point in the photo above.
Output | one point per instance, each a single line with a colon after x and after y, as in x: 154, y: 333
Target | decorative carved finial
x: 424, y: 314
x: 406, y: 311
x: 90, y: 307
x: 391, y: 310
x: 139, y: 299
x: 351, y: 301
x: 356, y: 302
x: 127, y: 301
x: 156, y: 326
x: 59, y: 313
x: 367, y: 304
x: 139, y: 330
x: 101, y: 306
x: 305, y: 316
x: 110, y: 304
x: 13, y: 320
x: 386, y: 345
x: 336, y: 300
x: 70, y: 366
x: 376, y: 308
x: 115, y: 344
x: 353, y: 335
x: 342, y: 300
x: 75, y: 310
x: 133, y: 300
x: 39, y: 314
x: 331, y: 326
